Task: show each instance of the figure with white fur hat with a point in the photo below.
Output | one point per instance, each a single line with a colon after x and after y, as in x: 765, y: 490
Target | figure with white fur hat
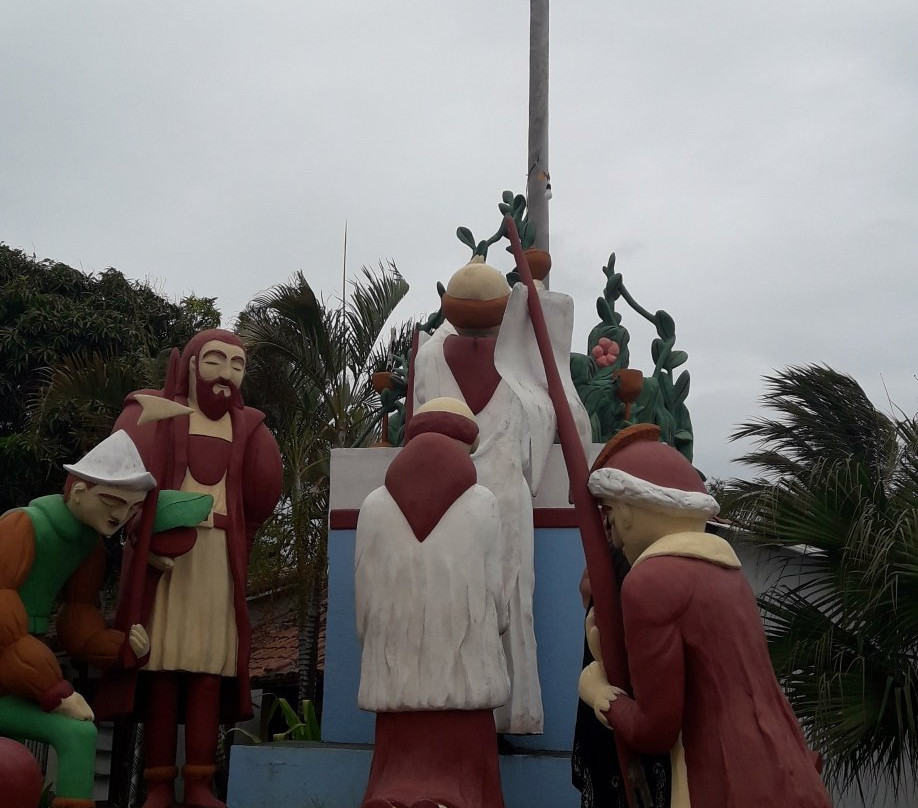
x: 701, y: 677
x: 51, y: 548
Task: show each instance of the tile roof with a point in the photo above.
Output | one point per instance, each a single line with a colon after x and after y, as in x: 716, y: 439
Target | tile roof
x: 274, y: 644
x: 274, y: 651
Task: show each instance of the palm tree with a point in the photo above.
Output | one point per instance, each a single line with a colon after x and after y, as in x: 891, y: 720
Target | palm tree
x: 840, y: 481
x: 309, y: 370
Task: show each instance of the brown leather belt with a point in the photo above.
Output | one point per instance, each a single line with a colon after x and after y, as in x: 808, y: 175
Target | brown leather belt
x: 221, y: 521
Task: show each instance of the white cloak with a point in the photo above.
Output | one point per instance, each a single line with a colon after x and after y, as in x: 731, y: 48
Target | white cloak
x: 516, y: 429
x: 430, y: 614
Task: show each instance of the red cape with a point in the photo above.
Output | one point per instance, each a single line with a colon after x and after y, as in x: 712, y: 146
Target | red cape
x: 253, y: 486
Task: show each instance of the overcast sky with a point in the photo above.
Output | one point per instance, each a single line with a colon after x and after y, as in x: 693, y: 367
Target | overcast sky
x: 752, y: 165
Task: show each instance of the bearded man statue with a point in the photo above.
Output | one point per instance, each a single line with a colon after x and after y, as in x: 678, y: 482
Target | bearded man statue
x: 199, y: 437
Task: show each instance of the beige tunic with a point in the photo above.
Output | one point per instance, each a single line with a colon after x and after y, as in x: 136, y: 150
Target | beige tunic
x: 193, y: 624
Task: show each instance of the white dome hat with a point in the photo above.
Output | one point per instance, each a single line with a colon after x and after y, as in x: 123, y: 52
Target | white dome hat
x: 114, y: 461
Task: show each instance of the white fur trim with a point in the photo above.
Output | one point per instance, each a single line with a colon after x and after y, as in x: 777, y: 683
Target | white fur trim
x: 613, y: 484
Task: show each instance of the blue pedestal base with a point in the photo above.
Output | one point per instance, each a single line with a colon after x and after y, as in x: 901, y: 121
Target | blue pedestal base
x: 325, y: 775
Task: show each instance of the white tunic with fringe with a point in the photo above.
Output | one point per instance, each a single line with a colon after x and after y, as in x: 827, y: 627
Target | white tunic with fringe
x: 429, y: 613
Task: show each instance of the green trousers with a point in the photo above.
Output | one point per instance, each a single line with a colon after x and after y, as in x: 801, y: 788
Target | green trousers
x: 74, y: 741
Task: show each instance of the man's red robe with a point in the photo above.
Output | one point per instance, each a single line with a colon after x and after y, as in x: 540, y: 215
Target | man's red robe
x: 253, y: 485
x: 699, y: 665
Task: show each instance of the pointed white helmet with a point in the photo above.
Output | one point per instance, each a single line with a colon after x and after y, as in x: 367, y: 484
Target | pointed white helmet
x: 114, y: 461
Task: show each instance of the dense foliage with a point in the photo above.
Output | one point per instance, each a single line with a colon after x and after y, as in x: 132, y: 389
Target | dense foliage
x: 839, y: 495
x: 72, y: 346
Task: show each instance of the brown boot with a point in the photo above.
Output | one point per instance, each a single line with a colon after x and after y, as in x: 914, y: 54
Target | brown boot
x: 160, y: 782
x: 199, y: 787
x: 202, y: 727
x: 72, y: 802
x: 160, y: 729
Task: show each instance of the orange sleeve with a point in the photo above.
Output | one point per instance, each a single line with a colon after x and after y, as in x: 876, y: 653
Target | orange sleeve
x: 80, y: 625
x: 28, y: 669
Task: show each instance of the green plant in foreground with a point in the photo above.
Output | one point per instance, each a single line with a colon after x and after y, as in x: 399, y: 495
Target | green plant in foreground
x: 47, y: 797
x: 303, y: 726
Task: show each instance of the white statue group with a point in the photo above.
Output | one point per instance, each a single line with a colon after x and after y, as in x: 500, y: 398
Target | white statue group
x: 444, y: 560
x: 444, y: 584
x: 445, y: 581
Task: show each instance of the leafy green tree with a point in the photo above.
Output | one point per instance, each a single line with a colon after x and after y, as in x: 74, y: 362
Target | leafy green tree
x: 310, y: 367
x: 840, y: 479
x: 72, y: 346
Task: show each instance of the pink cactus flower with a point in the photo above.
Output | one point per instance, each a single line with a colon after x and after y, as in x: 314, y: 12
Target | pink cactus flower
x: 605, y: 352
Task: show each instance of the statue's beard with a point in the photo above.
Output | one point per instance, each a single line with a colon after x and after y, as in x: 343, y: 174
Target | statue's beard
x: 217, y: 404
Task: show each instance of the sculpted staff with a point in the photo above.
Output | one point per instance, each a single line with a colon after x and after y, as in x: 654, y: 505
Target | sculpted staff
x: 599, y: 561
x: 194, y: 603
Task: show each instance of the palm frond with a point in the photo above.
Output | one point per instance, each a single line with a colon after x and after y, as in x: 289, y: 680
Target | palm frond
x: 822, y: 414
x: 309, y: 369
x: 371, y: 303
x: 840, y: 479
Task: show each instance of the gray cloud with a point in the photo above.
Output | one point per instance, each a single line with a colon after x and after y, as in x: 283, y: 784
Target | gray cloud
x: 753, y: 166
